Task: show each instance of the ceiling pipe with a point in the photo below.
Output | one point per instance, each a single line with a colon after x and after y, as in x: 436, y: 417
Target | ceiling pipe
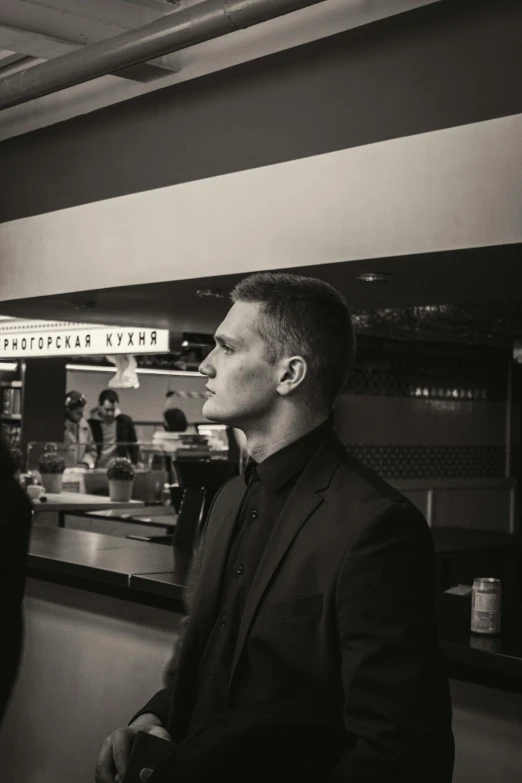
x: 178, y: 30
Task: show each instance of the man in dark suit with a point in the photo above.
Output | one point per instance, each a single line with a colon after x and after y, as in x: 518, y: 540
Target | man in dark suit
x: 310, y: 647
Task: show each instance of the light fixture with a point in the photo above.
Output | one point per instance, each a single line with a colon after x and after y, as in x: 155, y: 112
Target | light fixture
x: 374, y: 277
x: 140, y: 371
x: 210, y: 293
x: 84, y: 304
x: 8, y: 366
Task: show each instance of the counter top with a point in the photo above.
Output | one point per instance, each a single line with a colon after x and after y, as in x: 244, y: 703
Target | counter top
x: 97, y: 558
x: 150, y: 573
x: 153, y: 516
x: 76, y: 501
x: 495, y: 660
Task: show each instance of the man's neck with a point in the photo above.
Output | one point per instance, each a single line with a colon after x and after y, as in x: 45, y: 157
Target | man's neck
x: 262, y: 442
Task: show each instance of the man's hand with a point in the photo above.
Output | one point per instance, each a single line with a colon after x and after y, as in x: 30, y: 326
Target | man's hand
x: 115, y: 749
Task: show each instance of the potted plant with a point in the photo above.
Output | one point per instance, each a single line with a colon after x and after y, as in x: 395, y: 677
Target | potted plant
x: 121, y: 477
x: 51, y: 467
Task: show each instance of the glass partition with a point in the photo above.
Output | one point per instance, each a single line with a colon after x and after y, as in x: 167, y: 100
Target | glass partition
x: 84, y: 467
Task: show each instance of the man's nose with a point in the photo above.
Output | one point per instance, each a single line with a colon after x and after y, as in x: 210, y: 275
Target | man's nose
x: 206, y: 367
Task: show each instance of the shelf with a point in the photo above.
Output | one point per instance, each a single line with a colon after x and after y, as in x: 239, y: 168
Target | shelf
x: 11, y: 384
x: 11, y: 416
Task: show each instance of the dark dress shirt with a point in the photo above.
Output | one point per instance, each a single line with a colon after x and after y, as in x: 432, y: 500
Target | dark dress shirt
x: 268, y: 487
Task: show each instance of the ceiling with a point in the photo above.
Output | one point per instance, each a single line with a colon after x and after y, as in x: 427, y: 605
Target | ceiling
x: 32, y: 31
x: 470, y: 296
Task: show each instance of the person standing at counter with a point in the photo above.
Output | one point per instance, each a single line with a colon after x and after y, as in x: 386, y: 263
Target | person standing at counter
x: 310, y: 649
x: 15, y: 522
x: 113, y: 431
x: 77, y: 435
x: 174, y: 422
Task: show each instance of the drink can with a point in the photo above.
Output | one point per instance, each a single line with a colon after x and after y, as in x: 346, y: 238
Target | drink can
x: 486, y: 599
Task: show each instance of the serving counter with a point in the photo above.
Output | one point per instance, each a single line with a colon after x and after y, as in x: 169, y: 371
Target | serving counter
x: 107, y: 564
x: 76, y: 502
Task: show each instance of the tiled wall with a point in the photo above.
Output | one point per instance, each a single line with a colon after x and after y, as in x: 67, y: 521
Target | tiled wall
x: 415, y: 416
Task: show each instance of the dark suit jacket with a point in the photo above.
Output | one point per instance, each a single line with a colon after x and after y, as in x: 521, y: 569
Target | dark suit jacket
x: 15, y: 521
x: 341, y: 615
x: 125, y: 434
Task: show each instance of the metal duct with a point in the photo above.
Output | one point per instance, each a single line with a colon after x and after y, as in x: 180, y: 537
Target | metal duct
x: 179, y: 30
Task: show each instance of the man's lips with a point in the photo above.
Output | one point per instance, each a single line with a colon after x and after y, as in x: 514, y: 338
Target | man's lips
x: 209, y: 391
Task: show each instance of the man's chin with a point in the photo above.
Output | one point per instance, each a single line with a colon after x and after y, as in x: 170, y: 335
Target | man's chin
x: 209, y: 412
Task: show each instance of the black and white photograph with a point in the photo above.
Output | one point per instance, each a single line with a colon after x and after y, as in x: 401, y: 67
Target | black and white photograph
x: 261, y: 391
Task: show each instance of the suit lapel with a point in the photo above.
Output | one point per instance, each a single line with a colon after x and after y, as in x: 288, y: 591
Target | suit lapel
x: 303, y: 501
x: 216, y: 545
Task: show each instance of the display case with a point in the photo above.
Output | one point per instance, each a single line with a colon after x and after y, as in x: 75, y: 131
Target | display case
x: 151, y: 472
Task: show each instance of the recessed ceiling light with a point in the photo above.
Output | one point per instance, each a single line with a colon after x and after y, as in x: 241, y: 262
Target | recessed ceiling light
x: 374, y: 277
x: 210, y: 293
x: 86, y: 304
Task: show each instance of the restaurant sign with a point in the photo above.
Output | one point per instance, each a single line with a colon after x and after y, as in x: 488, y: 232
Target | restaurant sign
x: 82, y: 342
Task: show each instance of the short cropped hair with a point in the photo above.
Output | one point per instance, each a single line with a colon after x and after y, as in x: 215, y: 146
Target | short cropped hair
x: 110, y: 395
x: 307, y: 317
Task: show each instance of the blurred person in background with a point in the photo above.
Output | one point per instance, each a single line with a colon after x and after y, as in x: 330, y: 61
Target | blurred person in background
x: 15, y: 523
x: 80, y: 450
x: 174, y: 422
x: 174, y: 419
x: 113, y: 431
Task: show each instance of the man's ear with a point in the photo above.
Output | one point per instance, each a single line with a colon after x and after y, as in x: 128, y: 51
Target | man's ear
x: 293, y: 371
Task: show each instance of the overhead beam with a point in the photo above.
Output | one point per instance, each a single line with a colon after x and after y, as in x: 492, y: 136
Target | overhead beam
x: 173, y: 32
x: 33, y: 44
x: 77, y: 21
x: 16, y: 62
x: 43, y: 47
x: 49, y: 31
x: 158, y: 5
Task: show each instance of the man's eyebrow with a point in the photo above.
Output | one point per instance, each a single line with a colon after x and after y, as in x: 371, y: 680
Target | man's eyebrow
x: 223, y: 339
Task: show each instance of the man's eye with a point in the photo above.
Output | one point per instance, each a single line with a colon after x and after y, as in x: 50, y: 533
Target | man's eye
x: 227, y: 348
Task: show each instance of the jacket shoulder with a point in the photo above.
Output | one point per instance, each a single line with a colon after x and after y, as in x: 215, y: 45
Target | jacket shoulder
x: 359, y: 488
x: 367, y: 479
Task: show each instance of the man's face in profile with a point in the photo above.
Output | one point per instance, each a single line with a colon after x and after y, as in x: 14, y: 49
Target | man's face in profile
x: 242, y: 384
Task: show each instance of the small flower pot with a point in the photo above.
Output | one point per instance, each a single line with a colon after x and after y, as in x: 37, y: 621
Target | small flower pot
x: 120, y: 490
x: 52, y: 482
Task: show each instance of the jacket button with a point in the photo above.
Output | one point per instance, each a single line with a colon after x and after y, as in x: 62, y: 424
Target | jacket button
x: 239, y: 570
x: 254, y: 514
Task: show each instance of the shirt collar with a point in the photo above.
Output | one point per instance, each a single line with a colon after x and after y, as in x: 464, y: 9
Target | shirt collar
x: 286, y: 463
